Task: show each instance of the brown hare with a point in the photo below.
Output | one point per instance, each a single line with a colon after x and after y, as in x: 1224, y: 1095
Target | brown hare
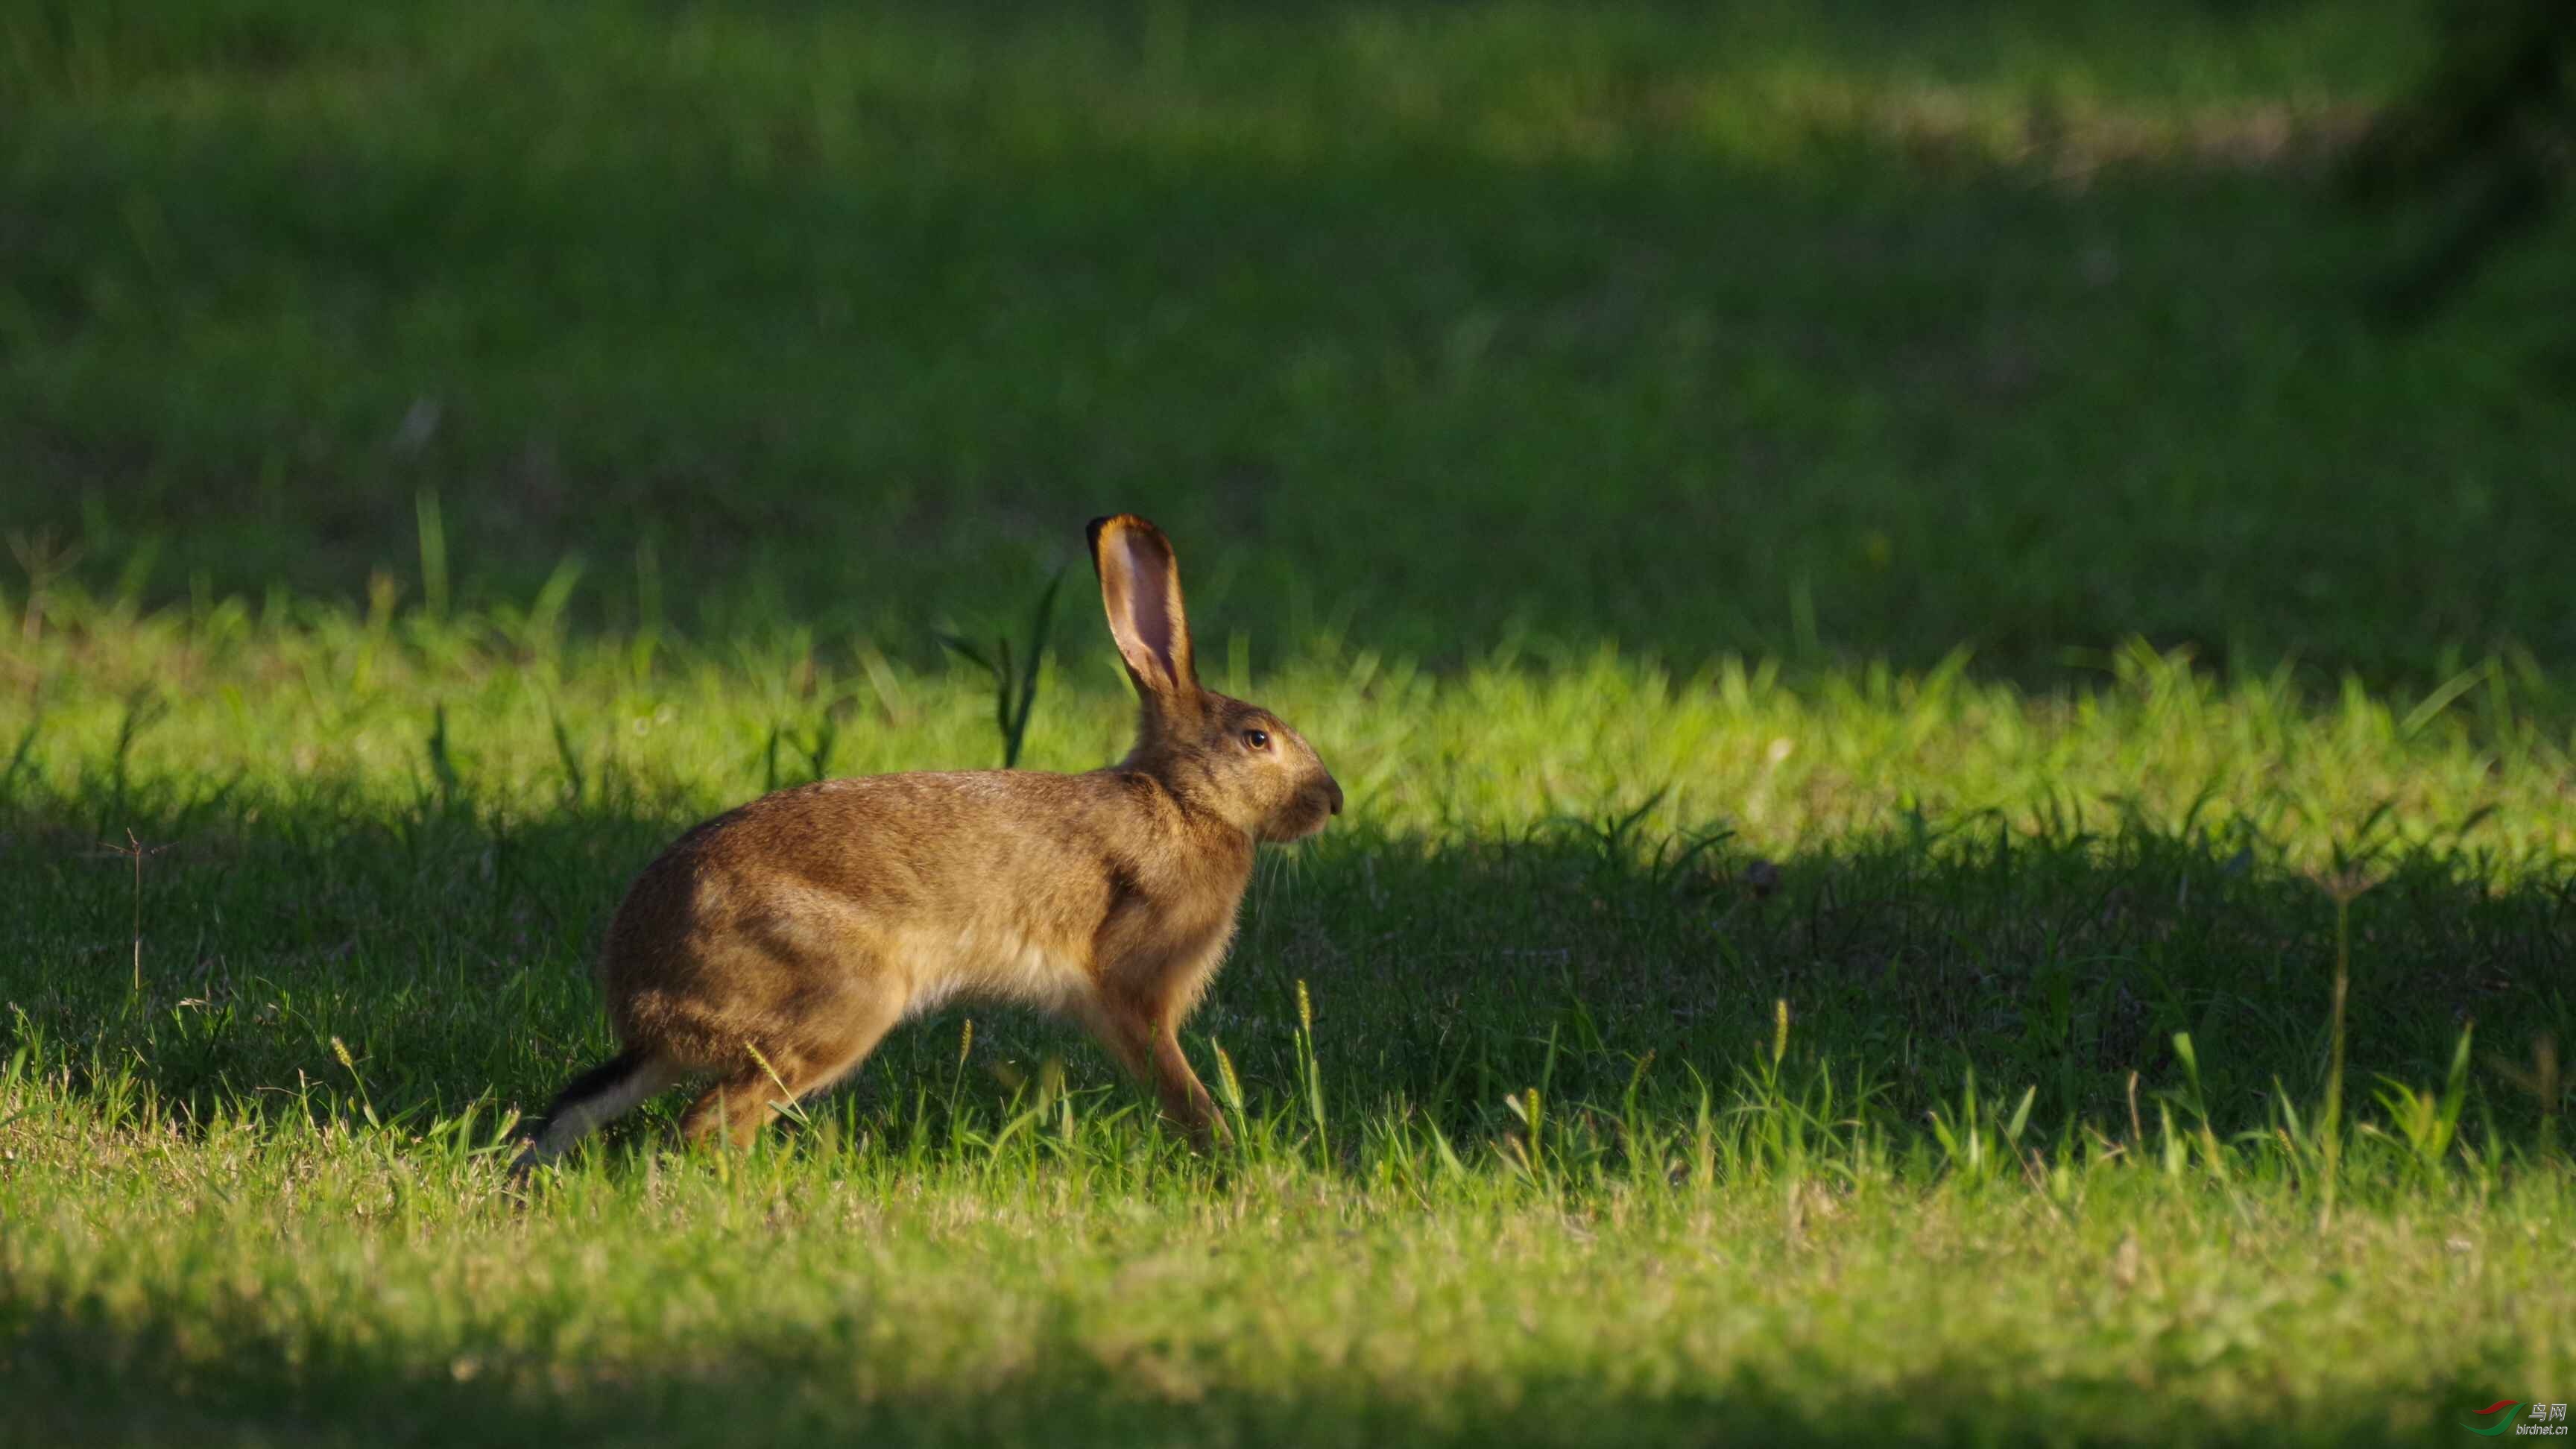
x: 773, y: 946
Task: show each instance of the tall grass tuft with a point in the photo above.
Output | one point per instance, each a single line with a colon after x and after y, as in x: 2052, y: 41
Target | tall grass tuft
x: 1015, y: 694
x: 2345, y: 886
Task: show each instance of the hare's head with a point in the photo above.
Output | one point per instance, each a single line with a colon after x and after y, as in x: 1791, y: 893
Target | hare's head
x: 1236, y: 760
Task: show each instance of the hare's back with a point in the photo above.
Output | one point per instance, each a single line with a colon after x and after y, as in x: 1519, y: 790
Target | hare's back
x: 885, y: 865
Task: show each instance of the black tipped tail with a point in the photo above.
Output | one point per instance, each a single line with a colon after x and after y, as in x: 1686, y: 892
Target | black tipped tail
x: 599, y: 1081
x: 593, y: 1097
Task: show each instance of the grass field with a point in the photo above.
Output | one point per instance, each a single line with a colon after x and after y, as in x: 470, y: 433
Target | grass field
x: 1744, y: 329
x: 1960, y: 776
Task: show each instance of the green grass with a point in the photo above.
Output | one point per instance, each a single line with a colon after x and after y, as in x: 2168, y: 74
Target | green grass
x: 1529, y: 1151
x: 353, y: 1292
x: 1960, y: 780
x: 1736, y: 329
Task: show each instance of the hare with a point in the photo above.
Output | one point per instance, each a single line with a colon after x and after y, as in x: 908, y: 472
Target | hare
x: 773, y: 946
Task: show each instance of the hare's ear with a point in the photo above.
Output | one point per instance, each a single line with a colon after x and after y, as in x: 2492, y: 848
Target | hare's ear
x: 1140, y: 586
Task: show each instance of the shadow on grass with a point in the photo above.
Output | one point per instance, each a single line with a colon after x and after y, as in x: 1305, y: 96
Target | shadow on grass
x: 450, y: 955
x: 72, y: 1378
x: 1894, y: 395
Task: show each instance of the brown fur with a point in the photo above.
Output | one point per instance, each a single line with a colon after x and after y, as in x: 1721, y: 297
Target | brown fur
x: 773, y: 946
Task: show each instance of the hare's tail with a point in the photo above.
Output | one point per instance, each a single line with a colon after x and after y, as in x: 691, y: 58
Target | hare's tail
x: 604, y: 1092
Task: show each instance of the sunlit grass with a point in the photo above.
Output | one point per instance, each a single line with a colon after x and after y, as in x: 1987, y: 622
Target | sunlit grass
x: 327, y: 701
x: 1639, y: 1046
x: 1053, y: 1270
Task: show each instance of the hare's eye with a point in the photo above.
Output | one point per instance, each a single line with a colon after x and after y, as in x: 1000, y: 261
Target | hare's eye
x: 1258, y: 739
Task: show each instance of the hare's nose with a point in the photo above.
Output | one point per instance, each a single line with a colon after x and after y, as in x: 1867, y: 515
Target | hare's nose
x: 1334, y: 788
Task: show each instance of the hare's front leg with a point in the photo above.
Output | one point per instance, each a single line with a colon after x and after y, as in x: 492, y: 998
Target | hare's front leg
x: 1145, y: 1037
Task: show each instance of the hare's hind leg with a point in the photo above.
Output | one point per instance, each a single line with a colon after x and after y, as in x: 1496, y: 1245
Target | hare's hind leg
x: 791, y: 1067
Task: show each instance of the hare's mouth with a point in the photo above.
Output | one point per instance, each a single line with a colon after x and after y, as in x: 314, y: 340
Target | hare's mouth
x: 1307, y: 817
